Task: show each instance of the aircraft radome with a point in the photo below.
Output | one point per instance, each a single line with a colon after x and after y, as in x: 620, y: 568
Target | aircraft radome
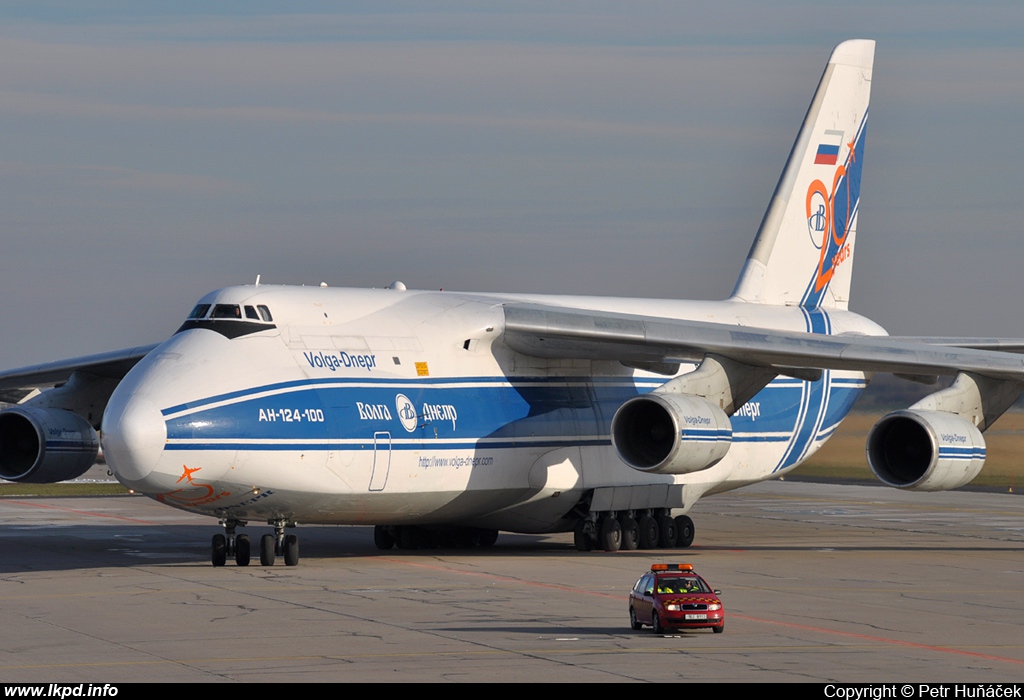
x: 447, y: 416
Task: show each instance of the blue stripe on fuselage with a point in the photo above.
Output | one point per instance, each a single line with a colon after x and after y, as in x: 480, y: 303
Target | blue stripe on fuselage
x: 477, y: 412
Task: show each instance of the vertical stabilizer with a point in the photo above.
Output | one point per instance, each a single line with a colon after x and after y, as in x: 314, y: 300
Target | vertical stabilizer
x: 803, y: 252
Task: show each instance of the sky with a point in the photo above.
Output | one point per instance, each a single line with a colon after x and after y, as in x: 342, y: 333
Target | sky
x: 152, y: 152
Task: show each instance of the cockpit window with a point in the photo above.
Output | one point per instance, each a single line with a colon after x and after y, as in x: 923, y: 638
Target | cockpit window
x: 226, y: 311
x: 228, y: 319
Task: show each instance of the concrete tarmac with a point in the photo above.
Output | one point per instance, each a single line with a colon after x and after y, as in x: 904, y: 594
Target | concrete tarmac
x: 820, y: 583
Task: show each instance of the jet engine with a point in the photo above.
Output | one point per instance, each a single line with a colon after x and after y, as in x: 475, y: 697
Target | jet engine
x: 670, y: 433
x: 925, y: 450
x: 45, y: 445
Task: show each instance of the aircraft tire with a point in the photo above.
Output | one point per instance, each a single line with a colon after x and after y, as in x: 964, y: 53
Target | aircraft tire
x: 488, y: 537
x: 611, y: 534
x: 291, y: 550
x: 581, y: 539
x: 405, y: 537
x: 382, y: 538
x: 685, y: 531
x: 242, y: 550
x: 219, y: 550
x: 630, y: 533
x: 267, y: 553
x: 667, y: 537
x: 649, y: 532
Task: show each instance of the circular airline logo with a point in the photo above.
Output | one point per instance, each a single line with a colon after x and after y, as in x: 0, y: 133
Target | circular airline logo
x: 406, y: 412
x: 817, y: 213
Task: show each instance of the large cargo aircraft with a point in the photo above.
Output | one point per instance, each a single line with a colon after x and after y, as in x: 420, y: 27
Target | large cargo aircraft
x: 447, y: 416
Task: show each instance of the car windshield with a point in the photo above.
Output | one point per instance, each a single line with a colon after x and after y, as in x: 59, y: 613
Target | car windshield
x: 681, y: 584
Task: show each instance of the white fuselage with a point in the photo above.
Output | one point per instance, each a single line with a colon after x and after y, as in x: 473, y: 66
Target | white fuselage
x: 406, y: 407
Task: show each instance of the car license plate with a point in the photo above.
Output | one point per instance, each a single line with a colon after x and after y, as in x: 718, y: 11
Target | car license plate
x: 696, y: 616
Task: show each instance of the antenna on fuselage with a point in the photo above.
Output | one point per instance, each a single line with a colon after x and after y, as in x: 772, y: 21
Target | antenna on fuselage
x: 257, y: 280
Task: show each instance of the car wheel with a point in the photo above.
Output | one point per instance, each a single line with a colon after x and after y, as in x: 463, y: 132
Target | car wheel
x: 719, y: 629
x: 656, y: 624
x: 633, y: 622
x: 611, y: 535
x: 630, y: 533
x: 684, y: 531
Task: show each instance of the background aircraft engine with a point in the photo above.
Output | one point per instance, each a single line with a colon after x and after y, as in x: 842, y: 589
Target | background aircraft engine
x: 925, y: 450
x: 670, y: 433
x: 45, y: 445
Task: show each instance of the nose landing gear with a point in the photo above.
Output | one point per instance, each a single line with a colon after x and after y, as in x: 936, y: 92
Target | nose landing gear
x: 271, y: 546
x: 230, y: 544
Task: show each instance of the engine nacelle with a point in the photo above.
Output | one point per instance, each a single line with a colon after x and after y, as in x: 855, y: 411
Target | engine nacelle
x: 925, y: 450
x: 45, y: 445
x: 671, y: 433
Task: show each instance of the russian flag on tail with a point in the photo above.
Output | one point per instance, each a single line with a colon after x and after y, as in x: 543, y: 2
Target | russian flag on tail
x: 828, y: 149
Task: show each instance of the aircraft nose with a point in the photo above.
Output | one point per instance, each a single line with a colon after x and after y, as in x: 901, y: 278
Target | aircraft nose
x: 133, y: 436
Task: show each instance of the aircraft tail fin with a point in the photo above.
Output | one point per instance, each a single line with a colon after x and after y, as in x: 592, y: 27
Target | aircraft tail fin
x: 803, y: 252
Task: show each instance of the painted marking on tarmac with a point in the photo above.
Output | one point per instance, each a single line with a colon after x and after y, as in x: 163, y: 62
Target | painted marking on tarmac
x: 87, y: 513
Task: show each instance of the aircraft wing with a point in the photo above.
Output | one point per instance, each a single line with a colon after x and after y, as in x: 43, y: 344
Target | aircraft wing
x: 556, y: 332
x: 1015, y: 345
x: 15, y: 384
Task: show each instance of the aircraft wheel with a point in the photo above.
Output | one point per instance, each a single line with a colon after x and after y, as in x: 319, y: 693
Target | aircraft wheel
x: 488, y: 537
x: 684, y: 531
x: 383, y: 538
x: 649, y: 532
x: 219, y: 550
x: 427, y: 538
x: 405, y: 537
x: 611, y: 534
x: 242, y: 550
x: 634, y: 624
x: 667, y: 538
x: 291, y: 550
x: 630, y: 533
x: 267, y: 553
x: 581, y: 539
x: 656, y: 624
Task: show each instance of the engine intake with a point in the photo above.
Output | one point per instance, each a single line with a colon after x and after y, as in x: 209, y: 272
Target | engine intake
x: 670, y: 433
x: 925, y: 450
x: 45, y: 445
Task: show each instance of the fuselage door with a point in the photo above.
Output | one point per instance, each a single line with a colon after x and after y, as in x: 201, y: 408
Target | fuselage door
x: 381, y: 460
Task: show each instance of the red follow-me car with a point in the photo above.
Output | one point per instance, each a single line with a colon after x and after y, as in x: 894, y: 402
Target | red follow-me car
x: 673, y: 596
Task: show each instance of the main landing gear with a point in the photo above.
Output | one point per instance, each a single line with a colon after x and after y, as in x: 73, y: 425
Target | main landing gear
x: 271, y: 546
x: 633, y: 530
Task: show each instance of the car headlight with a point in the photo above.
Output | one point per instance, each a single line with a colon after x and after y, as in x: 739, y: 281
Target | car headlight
x: 714, y: 606
x: 672, y: 606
